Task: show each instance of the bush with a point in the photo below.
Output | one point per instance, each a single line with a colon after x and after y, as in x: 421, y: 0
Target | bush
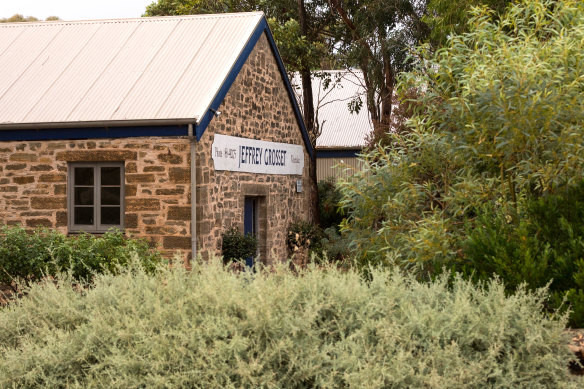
x: 90, y: 254
x: 237, y: 246
x: 502, y: 118
x: 303, y: 234
x: 334, y: 246
x: 329, y: 197
x: 545, y: 245
x: 30, y: 255
x: 495, y: 151
x: 213, y: 328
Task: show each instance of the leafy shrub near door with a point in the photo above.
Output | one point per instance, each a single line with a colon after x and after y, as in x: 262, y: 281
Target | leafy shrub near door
x: 328, y: 328
x: 237, y: 246
x: 304, y: 235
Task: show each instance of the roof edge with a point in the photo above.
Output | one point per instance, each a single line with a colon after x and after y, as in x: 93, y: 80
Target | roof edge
x: 327, y: 148
x: 70, y: 133
x: 339, y: 153
x: 260, y: 29
x: 99, y: 123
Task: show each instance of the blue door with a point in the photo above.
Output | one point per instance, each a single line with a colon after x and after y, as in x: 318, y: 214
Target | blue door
x: 249, y: 222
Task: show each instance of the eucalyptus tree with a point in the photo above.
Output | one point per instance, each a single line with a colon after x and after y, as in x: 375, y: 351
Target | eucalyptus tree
x: 377, y: 36
x: 503, y: 121
x: 446, y: 17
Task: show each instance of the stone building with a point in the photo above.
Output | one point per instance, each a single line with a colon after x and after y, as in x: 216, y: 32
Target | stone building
x: 99, y: 121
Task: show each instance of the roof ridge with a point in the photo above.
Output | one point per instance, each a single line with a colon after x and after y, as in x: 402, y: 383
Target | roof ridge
x: 136, y: 19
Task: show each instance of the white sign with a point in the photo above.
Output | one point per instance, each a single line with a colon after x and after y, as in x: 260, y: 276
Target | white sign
x: 256, y: 156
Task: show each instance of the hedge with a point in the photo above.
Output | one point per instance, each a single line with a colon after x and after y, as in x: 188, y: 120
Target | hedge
x: 212, y: 328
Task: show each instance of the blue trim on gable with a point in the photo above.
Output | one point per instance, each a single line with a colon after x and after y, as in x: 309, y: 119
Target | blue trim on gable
x: 92, y: 132
x: 214, y: 106
x: 260, y: 29
x: 337, y: 153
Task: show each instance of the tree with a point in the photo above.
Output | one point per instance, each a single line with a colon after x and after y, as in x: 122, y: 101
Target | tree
x: 503, y: 122
x: 20, y: 18
x: 377, y: 37
x: 447, y: 17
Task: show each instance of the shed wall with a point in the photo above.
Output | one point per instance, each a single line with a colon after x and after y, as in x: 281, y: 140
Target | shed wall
x: 337, y: 167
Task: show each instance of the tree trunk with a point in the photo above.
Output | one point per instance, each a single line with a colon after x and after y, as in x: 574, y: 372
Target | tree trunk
x: 308, y: 105
x: 386, y: 90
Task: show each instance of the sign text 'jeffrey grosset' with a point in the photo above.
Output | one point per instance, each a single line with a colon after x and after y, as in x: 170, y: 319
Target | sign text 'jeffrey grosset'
x: 256, y: 156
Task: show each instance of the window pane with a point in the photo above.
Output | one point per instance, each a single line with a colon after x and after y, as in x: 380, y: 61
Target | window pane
x: 110, y: 215
x: 110, y: 196
x: 83, y: 215
x: 110, y: 175
x: 83, y: 176
x: 83, y: 196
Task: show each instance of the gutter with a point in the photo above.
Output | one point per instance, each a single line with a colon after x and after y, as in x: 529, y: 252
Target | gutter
x: 193, y: 140
x: 95, y: 123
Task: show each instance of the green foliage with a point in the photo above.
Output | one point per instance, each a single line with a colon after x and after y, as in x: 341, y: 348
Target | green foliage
x: 496, y: 152
x: 503, y: 118
x: 328, y: 328
x: 89, y: 254
x: 405, y: 104
x: 333, y: 247
x: 303, y: 234
x: 376, y: 36
x: 446, y: 18
x: 20, y: 18
x: 329, y: 198
x: 545, y: 247
x: 189, y: 7
x: 30, y: 255
x: 237, y: 246
x: 297, y: 50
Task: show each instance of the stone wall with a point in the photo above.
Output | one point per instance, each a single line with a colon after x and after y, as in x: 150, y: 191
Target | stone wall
x: 257, y: 106
x: 33, y: 184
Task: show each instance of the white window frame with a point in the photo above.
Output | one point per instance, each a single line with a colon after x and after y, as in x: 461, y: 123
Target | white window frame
x: 96, y: 227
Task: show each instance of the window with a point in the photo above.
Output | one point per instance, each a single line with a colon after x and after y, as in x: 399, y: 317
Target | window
x: 95, y: 194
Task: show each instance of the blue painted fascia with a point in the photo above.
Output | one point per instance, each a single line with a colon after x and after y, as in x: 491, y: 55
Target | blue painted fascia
x: 261, y: 28
x: 93, y: 132
x: 337, y: 153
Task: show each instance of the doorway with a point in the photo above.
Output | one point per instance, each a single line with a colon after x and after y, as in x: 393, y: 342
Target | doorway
x: 251, y: 222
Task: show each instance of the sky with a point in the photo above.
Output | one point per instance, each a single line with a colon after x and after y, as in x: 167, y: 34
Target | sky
x: 74, y: 9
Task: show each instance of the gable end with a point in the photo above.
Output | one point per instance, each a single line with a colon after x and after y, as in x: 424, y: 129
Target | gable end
x: 261, y: 28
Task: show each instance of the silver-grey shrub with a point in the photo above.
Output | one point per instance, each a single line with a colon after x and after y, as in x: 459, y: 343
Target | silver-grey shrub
x: 211, y: 328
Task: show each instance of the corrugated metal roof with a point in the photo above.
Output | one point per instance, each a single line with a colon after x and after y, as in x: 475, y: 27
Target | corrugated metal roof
x: 340, y: 127
x: 145, y: 69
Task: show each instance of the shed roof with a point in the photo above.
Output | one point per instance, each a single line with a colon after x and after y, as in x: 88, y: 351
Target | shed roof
x: 341, y: 128
x: 163, y: 70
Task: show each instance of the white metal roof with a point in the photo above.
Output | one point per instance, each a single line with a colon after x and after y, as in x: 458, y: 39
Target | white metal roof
x: 108, y: 71
x: 340, y: 127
